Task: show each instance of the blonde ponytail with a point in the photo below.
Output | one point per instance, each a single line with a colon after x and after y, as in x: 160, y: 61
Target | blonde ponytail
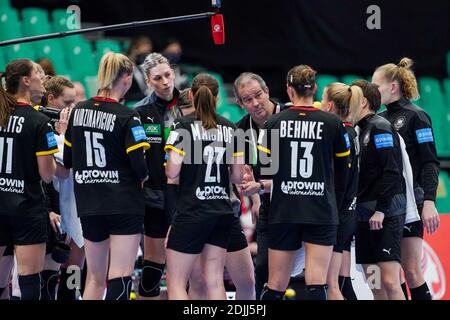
x: 112, y: 67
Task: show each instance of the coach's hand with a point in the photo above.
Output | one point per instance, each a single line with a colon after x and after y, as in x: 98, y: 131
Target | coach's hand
x: 376, y: 221
x: 55, y: 221
x: 430, y: 217
x: 248, y: 175
x: 250, y: 188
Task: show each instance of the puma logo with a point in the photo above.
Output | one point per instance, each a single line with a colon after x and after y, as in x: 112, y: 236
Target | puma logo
x: 408, y: 228
x: 151, y: 119
x: 175, y: 124
x: 387, y: 251
x: 137, y: 119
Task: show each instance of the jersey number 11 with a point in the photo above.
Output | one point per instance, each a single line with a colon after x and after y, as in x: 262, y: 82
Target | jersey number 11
x: 9, y: 153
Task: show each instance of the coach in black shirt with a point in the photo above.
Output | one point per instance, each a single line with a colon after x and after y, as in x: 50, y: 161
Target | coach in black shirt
x: 252, y: 94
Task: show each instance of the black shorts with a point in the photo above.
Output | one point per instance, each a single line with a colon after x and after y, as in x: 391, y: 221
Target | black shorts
x: 23, y: 230
x: 189, y: 234
x: 238, y: 241
x: 289, y: 236
x: 156, y: 223
x: 379, y: 245
x: 414, y: 229
x: 346, y: 231
x: 99, y: 228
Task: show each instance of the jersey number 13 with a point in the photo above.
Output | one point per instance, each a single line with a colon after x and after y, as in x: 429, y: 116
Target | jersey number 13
x: 305, y: 163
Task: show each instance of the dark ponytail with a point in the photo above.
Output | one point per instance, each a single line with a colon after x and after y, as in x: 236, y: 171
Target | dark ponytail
x: 205, y: 89
x: 7, y: 103
x: 205, y: 107
x: 15, y: 70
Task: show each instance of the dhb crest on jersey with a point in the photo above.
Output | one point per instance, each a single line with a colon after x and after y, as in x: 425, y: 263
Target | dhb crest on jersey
x: 399, y: 123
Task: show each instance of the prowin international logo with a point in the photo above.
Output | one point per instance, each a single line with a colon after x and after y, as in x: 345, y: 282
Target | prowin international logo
x: 96, y: 176
x: 12, y: 185
x: 300, y: 188
x: 211, y: 193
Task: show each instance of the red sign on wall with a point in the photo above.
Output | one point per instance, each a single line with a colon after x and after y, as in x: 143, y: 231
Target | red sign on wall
x: 436, y: 260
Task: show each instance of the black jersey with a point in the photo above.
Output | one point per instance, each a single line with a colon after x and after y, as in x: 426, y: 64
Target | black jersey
x: 100, y: 135
x: 251, y: 152
x: 27, y: 136
x: 351, y: 191
x: 157, y: 116
x: 303, y: 188
x: 414, y: 125
x: 381, y: 169
x: 204, y: 177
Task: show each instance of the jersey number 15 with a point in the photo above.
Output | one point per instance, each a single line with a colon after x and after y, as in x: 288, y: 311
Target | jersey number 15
x: 93, y: 146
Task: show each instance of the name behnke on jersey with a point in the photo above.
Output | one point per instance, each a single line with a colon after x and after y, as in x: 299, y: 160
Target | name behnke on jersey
x: 308, y: 130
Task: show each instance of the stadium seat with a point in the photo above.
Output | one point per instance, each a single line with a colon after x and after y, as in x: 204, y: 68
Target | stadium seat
x: 349, y: 78
x: 80, y: 59
x: 431, y: 95
x: 91, y: 85
x: 2, y: 60
x: 19, y: 51
x: 35, y: 21
x: 443, y: 193
x: 104, y: 46
x: 446, y: 84
x: 232, y: 112
x: 59, y: 20
x: 433, y: 102
x: 322, y: 81
x: 53, y: 50
x: 9, y: 17
x: 5, y: 4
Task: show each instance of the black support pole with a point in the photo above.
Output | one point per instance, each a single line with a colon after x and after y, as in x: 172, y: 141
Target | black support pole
x: 127, y: 25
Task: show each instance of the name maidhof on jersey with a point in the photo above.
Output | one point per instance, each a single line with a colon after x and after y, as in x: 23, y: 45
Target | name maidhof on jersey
x: 12, y: 185
x: 94, y: 119
x: 301, y: 188
x: 295, y: 129
x: 221, y: 134
x: 211, y: 193
x: 96, y: 176
x: 15, y: 125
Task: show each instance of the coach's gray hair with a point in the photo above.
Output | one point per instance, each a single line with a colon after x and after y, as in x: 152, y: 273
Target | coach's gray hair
x: 246, y: 77
x: 152, y: 60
